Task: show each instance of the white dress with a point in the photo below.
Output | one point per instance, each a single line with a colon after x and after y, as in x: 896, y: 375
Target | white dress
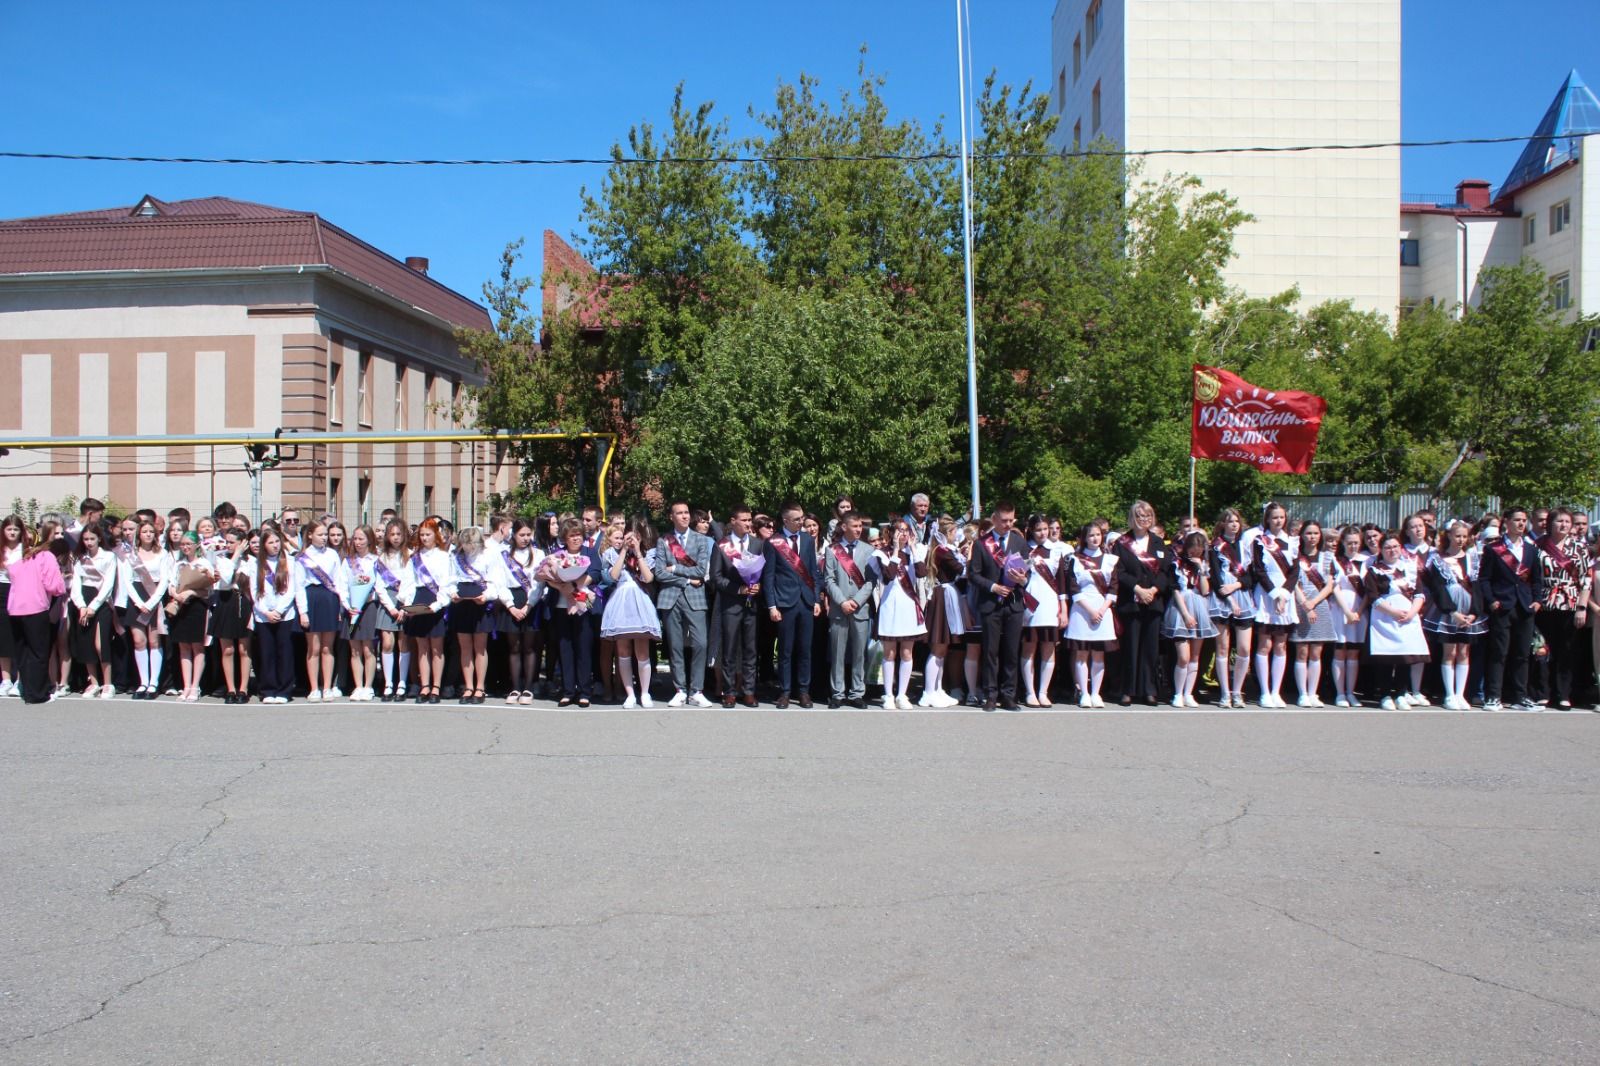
x: 900, y: 614
x: 1080, y: 626
x: 1388, y: 636
x: 1348, y: 589
x: 1274, y: 590
x: 1048, y: 612
x: 629, y: 611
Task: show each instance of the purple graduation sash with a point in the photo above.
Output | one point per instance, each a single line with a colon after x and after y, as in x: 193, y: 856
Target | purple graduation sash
x: 420, y: 569
x: 518, y: 572
x: 304, y: 559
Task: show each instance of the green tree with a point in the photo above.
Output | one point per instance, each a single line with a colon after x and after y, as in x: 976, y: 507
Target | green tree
x: 1525, y: 395
x: 808, y: 393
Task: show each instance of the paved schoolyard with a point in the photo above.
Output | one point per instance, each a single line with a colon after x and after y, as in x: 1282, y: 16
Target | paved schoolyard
x: 377, y: 884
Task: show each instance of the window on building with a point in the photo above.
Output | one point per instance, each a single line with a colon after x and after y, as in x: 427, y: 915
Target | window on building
x: 1560, y: 216
x: 364, y: 389
x: 335, y: 393
x: 427, y: 500
x: 1530, y: 227
x: 430, y: 417
x: 1409, y: 252
x: 334, y: 484
x: 1077, y: 134
x: 455, y: 507
x: 364, y: 499
x: 1561, y: 291
x: 400, y: 420
x: 1094, y: 109
x: 1093, y: 23
x: 1077, y: 58
x: 1061, y: 91
x: 400, y: 500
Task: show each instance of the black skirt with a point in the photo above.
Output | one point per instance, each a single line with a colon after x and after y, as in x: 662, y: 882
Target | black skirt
x: 529, y: 622
x: 322, y: 610
x: 188, y: 626
x: 428, y: 626
x: 467, y: 616
x: 81, y: 638
x: 131, y: 613
x: 230, y: 617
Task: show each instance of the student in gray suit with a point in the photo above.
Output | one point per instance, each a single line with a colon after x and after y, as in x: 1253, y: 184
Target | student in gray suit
x: 852, y: 585
x: 680, y: 564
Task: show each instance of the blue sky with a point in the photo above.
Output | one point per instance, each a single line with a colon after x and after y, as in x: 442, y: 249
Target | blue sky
x: 494, y: 79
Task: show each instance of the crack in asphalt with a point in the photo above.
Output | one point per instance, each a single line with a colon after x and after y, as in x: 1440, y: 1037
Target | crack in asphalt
x: 1369, y: 949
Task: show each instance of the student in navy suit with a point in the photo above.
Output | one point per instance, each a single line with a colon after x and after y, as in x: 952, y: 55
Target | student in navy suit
x: 1513, y: 588
x: 1000, y: 606
x: 789, y: 593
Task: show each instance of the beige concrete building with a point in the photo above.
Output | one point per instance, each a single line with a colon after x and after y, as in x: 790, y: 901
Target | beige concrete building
x: 1539, y: 212
x: 214, y: 316
x: 1201, y: 74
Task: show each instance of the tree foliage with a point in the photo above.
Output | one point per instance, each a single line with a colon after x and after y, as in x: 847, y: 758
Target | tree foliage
x: 795, y: 327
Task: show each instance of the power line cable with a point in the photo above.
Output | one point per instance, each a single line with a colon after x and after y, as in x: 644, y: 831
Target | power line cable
x: 743, y: 160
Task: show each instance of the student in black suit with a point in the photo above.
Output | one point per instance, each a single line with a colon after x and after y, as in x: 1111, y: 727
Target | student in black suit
x: 1000, y: 606
x: 789, y: 593
x: 1512, y: 585
x: 1142, y: 587
x: 736, y: 607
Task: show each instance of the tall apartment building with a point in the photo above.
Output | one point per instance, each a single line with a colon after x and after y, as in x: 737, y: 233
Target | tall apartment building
x: 1200, y: 74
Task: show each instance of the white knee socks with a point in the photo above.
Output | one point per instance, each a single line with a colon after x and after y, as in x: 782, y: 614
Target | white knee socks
x: 1448, y: 672
x: 888, y: 676
x: 1180, y: 678
x: 1080, y: 674
x: 644, y: 677
x: 905, y: 678
x: 932, y: 674
x: 1313, y: 677
x: 1300, y: 678
x: 1047, y: 674
x: 1026, y: 668
x: 1338, y: 677
x: 1194, y: 677
x: 1097, y: 676
x: 142, y: 658
x: 625, y: 671
x: 1264, y: 674
x: 1279, y: 663
x: 1416, y: 678
x: 404, y: 679
x: 155, y: 666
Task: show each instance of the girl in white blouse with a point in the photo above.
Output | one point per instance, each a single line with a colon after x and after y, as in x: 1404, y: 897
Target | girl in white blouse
x: 319, y: 602
x: 94, y: 586
x: 145, y: 574
x: 270, y: 579
x: 394, y: 591
x: 1271, y: 556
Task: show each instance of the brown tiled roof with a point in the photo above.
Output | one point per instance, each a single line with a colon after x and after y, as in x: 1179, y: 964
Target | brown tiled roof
x: 216, y: 232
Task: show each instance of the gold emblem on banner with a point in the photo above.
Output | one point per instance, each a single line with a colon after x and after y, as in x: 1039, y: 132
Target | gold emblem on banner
x: 1206, y: 386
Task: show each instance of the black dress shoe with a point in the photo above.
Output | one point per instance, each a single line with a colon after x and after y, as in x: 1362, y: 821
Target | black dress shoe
x: 804, y: 701
x: 1126, y: 701
x: 833, y: 704
x: 990, y: 704
x: 727, y: 701
x: 749, y: 699
x: 859, y: 704
x: 782, y: 702
x: 1009, y: 706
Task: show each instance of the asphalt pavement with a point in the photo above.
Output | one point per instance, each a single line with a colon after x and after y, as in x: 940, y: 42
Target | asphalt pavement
x: 371, y: 883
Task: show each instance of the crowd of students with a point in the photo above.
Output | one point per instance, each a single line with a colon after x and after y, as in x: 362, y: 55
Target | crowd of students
x: 1487, y: 613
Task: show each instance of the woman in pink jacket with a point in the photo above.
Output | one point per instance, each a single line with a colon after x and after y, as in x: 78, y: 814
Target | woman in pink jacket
x: 35, y: 583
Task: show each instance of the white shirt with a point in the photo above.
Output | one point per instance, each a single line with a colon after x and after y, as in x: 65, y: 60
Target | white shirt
x: 99, y: 572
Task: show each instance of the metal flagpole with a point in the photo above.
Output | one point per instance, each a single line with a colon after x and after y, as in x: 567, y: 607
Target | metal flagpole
x: 1191, y: 488
x: 966, y: 234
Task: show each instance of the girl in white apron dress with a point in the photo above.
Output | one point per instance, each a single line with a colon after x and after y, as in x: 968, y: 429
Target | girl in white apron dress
x: 1270, y: 552
x: 1233, y: 608
x: 1455, y: 614
x: 1045, y: 604
x: 1091, y: 622
x: 1349, y: 606
x: 1188, y: 619
x: 1395, y: 638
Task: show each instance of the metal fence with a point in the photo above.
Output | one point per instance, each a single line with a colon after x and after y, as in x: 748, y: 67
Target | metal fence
x: 1381, y: 504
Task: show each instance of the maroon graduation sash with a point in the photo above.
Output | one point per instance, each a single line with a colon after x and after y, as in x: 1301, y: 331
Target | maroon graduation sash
x: 679, y: 554
x: 1229, y: 550
x: 1191, y: 570
x: 1151, y: 563
x: 1291, y: 573
x: 849, y: 564
x: 1098, y: 576
x: 786, y: 552
x: 900, y: 575
x: 1514, y: 564
x: 1551, y: 547
x: 1039, y: 568
x: 1314, y: 574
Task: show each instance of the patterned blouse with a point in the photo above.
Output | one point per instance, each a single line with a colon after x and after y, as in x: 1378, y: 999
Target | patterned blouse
x: 1566, y: 581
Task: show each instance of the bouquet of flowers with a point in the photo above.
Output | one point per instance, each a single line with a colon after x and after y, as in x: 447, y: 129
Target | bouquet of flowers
x: 565, y: 567
x: 750, y: 566
x: 583, y: 601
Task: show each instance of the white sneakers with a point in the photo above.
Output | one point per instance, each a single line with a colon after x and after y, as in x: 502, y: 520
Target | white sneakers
x: 315, y: 696
x: 646, y: 701
x: 888, y: 702
x: 1178, y: 701
x: 630, y: 703
x: 1418, y: 699
x: 679, y: 698
x: 699, y: 700
x: 1389, y: 703
x: 8, y: 688
x: 903, y: 702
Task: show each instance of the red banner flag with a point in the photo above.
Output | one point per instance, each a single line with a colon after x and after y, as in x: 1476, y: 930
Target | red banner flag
x: 1238, y: 422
